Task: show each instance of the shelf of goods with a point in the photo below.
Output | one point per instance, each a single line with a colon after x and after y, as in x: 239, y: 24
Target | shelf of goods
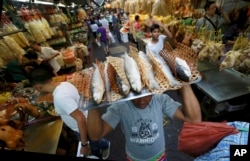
x: 78, y: 32
x: 13, y: 41
x: 24, y: 113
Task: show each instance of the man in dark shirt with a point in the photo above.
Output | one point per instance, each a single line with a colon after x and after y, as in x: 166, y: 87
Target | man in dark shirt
x: 103, y: 38
x: 114, y: 23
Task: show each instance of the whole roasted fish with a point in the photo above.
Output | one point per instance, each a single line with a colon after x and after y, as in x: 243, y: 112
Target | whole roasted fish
x: 132, y: 73
x: 167, y: 71
x: 183, y: 71
x: 121, y: 78
x: 124, y: 88
x: 149, y: 73
x: 97, y: 85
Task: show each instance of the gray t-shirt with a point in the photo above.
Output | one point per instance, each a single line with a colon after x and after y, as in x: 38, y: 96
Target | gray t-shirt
x: 142, y: 128
x: 203, y: 22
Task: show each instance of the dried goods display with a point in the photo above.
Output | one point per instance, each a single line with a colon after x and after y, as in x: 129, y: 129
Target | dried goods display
x: 58, y: 17
x: 19, y: 37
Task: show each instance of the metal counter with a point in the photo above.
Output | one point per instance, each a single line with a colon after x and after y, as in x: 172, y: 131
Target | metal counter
x: 223, y: 85
x: 44, y: 137
x: 204, y: 65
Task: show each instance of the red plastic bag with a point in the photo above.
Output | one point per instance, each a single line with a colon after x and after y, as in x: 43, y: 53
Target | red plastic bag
x: 198, y: 138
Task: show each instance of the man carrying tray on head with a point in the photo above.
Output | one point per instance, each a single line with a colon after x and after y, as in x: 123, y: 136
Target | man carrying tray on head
x: 142, y: 122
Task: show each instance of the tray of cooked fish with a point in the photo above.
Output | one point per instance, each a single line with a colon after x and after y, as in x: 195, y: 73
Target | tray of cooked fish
x: 135, y: 74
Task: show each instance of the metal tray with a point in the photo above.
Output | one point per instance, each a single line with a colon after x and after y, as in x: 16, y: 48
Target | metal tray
x: 85, y: 104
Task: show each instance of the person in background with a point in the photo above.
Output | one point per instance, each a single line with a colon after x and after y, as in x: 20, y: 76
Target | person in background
x: 114, y: 23
x: 238, y: 24
x: 93, y: 28
x: 141, y: 121
x: 36, y: 62
x: 109, y: 18
x: 104, y: 21
x: 119, y: 26
x: 67, y: 103
x: 47, y: 54
x: 213, y: 19
x: 156, y: 43
x: 126, y: 16
x: 137, y: 29
x: 103, y: 38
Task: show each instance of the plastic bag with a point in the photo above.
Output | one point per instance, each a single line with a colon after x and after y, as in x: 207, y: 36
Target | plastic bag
x: 111, y: 37
x: 198, y: 138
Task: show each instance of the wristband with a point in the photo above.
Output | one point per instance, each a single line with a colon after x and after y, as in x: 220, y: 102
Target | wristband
x: 83, y: 145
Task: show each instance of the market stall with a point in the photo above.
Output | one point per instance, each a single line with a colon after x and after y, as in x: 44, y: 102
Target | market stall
x: 24, y: 113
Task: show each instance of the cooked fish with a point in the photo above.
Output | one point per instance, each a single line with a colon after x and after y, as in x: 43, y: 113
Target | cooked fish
x: 150, y: 73
x: 183, y: 71
x: 124, y: 88
x: 97, y: 85
x: 132, y: 73
x: 121, y: 78
x: 167, y: 71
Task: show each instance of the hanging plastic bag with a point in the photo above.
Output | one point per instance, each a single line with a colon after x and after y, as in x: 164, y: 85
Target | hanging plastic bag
x: 198, y: 138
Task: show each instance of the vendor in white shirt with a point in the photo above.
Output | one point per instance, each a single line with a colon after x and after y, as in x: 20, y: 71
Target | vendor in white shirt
x: 156, y: 44
x: 47, y: 54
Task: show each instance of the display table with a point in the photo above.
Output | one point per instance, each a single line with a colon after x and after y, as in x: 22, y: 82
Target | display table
x: 44, y: 137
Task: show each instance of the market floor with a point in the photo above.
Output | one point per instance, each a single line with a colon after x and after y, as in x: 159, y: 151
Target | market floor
x: 117, y: 150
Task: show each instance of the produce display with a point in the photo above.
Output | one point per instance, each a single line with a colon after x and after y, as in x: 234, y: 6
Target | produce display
x: 18, y: 37
x: 39, y: 30
x: 81, y: 14
x: 58, y: 17
x: 10, y: 50
x: 162, y: 8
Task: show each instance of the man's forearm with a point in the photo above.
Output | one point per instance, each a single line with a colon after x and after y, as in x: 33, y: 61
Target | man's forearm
x: 94, y: 124
x: 191, y: 107
x: 83, y: 132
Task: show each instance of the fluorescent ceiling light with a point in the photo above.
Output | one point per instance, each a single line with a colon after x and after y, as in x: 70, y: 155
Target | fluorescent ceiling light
x: 43, y: 2
x: 21, y: 0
